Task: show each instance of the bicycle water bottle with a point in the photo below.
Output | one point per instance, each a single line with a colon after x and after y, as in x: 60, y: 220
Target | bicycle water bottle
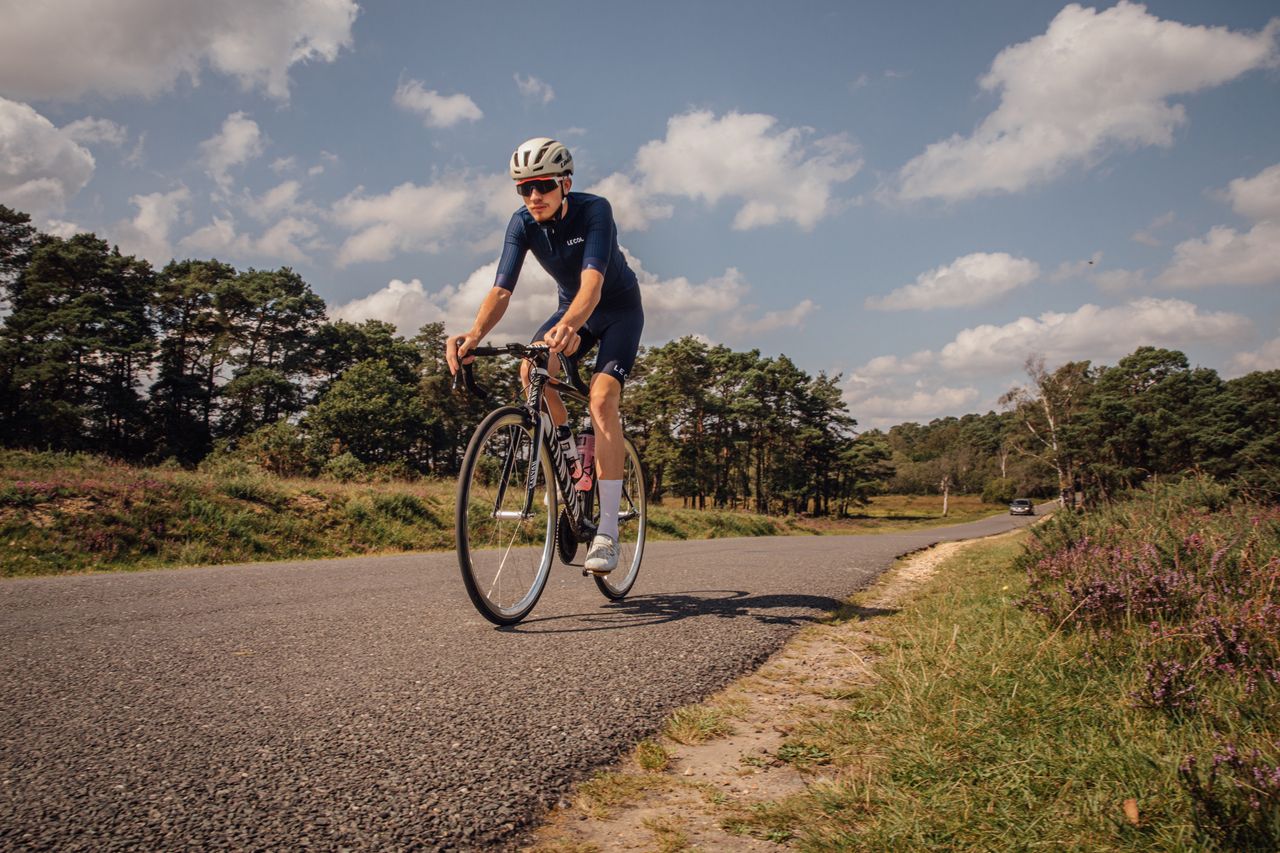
x: 569, y: 448
x: 587, y: 450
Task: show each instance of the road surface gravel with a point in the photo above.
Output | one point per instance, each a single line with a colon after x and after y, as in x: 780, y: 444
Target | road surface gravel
x: 363, y: 703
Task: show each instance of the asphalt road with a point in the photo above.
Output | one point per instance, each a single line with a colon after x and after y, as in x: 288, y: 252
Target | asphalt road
x: 362, y: 703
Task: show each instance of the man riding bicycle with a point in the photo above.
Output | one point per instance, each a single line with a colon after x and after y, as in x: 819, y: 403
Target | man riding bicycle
x: 574, y: 237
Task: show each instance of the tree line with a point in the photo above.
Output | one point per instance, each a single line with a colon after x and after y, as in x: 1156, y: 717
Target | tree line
x: 100, y: 352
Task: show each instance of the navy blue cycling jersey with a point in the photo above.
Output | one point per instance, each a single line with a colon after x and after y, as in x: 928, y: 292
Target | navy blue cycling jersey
x: 587, y: 238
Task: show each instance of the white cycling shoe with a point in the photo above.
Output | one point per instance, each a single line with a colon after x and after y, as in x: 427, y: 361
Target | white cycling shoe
x: 603, y: 556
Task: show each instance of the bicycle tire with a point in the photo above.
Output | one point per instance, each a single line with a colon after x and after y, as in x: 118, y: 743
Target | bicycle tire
x: 633, y: 525
x: 504, y: 553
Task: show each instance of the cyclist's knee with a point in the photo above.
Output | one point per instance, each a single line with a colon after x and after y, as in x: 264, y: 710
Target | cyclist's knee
x: 606, y: 395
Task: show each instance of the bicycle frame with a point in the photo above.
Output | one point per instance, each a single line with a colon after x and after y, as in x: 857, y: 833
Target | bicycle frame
x: 576, y: 503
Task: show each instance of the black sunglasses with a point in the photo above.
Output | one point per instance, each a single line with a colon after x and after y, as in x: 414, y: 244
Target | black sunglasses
x: 543, y: 186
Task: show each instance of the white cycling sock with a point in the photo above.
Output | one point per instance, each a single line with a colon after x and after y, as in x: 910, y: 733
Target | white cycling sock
x: 610, y: 500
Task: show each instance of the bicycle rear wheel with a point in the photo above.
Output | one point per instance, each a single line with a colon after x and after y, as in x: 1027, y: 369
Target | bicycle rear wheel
x: 633, y: 521
x: 506, y: 533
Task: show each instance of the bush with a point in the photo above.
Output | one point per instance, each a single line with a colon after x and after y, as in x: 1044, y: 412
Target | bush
x: 346, y: 468
x: 999, y: 490
x: 279, y: 448
x: 1183, y: 585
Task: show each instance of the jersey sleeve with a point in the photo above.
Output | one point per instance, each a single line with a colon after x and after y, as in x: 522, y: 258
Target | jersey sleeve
x: 514, y: 248
x: 601, y: 234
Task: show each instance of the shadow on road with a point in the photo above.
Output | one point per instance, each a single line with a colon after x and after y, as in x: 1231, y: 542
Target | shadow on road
x: 776, y: 609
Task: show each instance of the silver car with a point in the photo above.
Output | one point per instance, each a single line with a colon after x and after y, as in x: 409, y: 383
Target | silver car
x: 1021, y: 506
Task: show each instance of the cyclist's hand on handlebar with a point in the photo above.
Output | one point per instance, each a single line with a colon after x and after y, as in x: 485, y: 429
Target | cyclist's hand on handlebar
x: 456, y: 349
x: 563, y: 338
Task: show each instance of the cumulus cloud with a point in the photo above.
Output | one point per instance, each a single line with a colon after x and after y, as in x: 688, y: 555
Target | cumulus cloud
x: 1093, y: 81
x: 278, y: 244
x: 634, y: 208
x: 1225, y: 256
x: 883, y: 407
x: 973, y: 279
x: 409, y: 218
x: 1088, y: 332
x: 1120, y: 280
x: 1266, y: 357
x: 673, y: 307
x: 147, y: 234
x: 534, y: 89
x: 67, y: 48
x: 218, y: 238
x: 776, y: 174
x: 1147, y: 236
x: 409, y: 305
x: 239, y: 141
x: 771, y: 321
x: 435, y: 109
x: 1258, y: 197
x: 41, y: 167
x: 90, y: 131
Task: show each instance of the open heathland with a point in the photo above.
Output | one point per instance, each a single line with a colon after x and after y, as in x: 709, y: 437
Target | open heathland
x: 75, y: 512
x: 1107, y: 681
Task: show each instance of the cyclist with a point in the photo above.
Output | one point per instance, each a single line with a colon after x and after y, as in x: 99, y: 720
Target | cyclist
x: 574, y: 237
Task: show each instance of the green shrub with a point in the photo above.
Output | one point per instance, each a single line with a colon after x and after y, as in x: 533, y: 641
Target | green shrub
x: 999, y: 490
x: 346, y: 468
x: 256, y: 489
x: 407, y: 508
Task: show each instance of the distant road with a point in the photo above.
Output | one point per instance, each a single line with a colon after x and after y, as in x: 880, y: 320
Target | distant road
x: 362, y: 703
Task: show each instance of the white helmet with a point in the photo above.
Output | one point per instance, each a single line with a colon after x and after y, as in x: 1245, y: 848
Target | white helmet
x: 541, y: 156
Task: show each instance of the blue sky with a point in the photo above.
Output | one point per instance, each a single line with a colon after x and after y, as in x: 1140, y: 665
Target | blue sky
x: 916, y: 196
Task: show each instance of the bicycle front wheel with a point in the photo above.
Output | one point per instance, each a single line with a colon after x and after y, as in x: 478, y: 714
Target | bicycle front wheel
x: 633, y: 520
x: 505, y: 519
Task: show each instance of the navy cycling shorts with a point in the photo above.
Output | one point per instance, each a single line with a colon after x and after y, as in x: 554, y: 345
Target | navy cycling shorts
x: 615, y: 327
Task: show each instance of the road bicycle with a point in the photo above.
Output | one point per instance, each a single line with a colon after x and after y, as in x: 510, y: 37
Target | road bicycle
x: 519, y: 502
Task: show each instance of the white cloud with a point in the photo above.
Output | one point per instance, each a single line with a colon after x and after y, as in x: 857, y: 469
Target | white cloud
x: 1225, y: 256
x: 1093, y: 81
x: 239, y: 141
x: 1068, y: 270
x: 672, y: 307
x: 280, y: 165
x: 890, y: 406
x: 1089, y: 332
x: 1266, y: 357
x: 281, y: 198
x: 409, y: 218
x: 278, y: 244
x: 534, y: 89
x: 891, y: 365
x: 776, y: 174
x: 633, y: 207
x: 61, y: 228
x: 1147, y: 236
x: 436, y: 110
x: 280, y: 241
x: 88, y: 131
x: 147, y: 234
x: 791, y: 318
x: 1120, y: 280
x: 41, y: 168
x: 409, y: 305
x: 219, y: 237
x: 969, y: 280
x: 67, y: 48
x: 1258, y: 197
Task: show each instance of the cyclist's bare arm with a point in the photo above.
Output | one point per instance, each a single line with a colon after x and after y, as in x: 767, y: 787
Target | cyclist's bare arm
x: 562, y: 336
x: 491, y: 311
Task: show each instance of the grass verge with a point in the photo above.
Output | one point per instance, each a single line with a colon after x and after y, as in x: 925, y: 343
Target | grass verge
x: 987, y: 731
x: 64, y: 513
